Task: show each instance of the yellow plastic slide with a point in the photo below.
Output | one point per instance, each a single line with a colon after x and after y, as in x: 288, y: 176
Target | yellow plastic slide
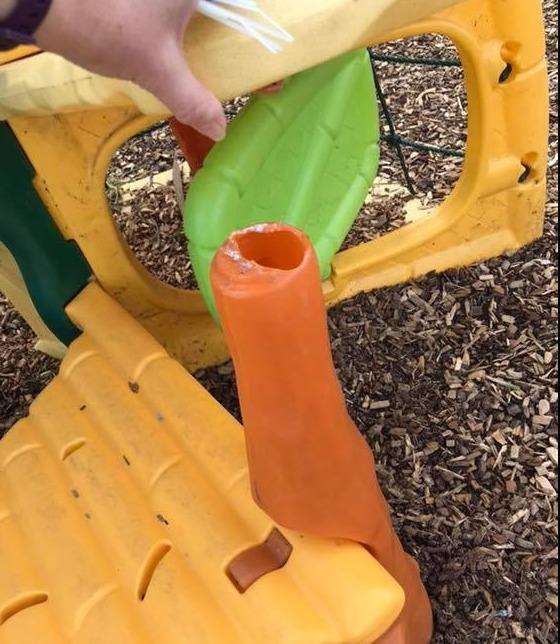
x: 126, y: 513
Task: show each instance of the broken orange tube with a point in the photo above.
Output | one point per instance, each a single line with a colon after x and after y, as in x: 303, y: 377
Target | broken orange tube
x: 311, y: 470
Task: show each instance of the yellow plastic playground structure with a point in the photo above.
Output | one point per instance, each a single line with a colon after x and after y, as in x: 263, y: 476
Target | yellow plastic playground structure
x: 125, y: 506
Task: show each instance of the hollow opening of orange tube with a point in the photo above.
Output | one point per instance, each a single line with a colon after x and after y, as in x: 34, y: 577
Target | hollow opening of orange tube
x: 279, y: 249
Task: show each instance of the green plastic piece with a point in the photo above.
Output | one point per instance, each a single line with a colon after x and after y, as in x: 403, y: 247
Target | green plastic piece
x: 54, y: 270
x: 306, y: 156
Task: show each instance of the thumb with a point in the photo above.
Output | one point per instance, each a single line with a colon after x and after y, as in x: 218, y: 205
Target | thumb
x: 175, y: 85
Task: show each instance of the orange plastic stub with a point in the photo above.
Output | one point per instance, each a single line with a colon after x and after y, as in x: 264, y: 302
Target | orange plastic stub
x: 194, y: 145
x: 311, y: 470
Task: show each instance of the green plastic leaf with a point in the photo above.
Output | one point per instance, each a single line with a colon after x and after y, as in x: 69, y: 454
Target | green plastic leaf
x: 306, y: 156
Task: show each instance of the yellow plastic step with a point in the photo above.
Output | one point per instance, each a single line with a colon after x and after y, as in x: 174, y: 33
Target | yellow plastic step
x: 126, y: 515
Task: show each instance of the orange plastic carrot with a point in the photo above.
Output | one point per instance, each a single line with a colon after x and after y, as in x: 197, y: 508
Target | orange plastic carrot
x: 311, y: 470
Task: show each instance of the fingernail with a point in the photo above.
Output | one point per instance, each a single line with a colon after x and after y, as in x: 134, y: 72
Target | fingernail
x: 216, y: 131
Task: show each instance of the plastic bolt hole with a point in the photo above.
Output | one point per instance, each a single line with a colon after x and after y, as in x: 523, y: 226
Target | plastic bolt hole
x: 510, y: 56
x: 506, y: 73
x: 527, y: 171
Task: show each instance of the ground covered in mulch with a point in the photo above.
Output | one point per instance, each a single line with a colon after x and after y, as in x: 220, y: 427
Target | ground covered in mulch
x: 452, y: 379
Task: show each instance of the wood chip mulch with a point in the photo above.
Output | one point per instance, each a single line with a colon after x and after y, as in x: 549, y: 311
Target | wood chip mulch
x: 24, y: 373
x: 452, y: 379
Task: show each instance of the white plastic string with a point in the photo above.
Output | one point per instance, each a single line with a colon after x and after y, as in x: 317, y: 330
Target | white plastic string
x: 230, y: 19
x: 245, y: 24
x: 252, y: 6
x: 268, y: 32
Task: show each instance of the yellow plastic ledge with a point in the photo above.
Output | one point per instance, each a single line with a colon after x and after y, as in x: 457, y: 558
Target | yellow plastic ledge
x: 123, y: 499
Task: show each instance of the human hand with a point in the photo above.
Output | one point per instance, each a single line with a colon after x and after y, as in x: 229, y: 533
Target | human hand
x: 140, y: 41
x: 6, y: 8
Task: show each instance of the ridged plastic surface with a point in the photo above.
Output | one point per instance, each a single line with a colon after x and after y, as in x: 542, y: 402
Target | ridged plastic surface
x: 123, y: 499
x: 306, y: 156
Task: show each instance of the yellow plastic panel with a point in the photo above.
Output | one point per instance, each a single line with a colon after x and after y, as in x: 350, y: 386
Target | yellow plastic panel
x: 48, y: 84
x: 222, y: 58
x: 125, y: 496
x: 488, y: 213
x: 72, y: 189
